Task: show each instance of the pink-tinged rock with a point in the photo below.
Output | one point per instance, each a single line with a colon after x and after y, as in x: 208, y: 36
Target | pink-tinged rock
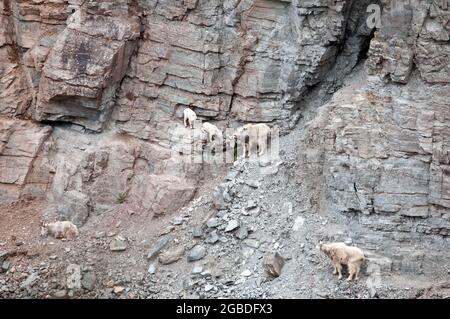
x: 21, y: 143
x: 84, y: 68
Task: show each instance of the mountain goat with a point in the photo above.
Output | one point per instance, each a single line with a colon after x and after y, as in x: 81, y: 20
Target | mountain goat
x: 257, y: 135
x: 342, y: 254
x: 213, y: 131
x: 189, y: 118
x: 60, y: 229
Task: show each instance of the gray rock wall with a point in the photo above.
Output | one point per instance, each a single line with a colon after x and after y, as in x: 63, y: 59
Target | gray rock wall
x: 413, y: 34
x: 382, y: 153
x: 127, y: 69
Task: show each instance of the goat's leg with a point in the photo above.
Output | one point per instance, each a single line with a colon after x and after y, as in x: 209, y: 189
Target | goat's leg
x: 352, y: 271
x: 358, y: 269
x: 262, y: 144
x: 339, y: 269
x: 335, y: 266
x: 251, y: 145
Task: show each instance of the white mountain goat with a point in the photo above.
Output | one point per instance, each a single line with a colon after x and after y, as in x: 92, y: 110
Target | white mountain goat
x: 214, y: 133
x: 251, y: 135
x: 189, y: 118
x: 342, y: 254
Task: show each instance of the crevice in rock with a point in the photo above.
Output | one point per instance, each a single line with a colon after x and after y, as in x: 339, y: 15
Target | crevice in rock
x: 64, y: 125
x: 352, y: 52
x: 365, y: 47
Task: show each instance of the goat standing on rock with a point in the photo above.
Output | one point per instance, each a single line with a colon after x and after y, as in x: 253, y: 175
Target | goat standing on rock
x: 214, y: 133
x: 341, y: 254
x: 252, y: 136
x: 189, y: 118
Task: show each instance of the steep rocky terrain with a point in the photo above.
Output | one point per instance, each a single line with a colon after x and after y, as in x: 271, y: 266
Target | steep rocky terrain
x: 91, y: 130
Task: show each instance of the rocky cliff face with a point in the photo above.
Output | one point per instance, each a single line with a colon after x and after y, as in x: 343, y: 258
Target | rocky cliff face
x: 413, y: 35
x: 385, y: 149
x: 131, y: 67
x: 387, y: 158
x: 25, y: 159
x: 92, y: 95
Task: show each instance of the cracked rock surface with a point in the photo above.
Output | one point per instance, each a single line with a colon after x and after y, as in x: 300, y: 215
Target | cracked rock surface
x: 92, y: 95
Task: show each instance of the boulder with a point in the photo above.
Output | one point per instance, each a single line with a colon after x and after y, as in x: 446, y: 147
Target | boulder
x: 197, y: 253
x: 273, y: 264
x: 171, y: 255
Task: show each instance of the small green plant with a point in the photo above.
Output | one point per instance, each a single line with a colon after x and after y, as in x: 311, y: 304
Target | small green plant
x: 121, y: 198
